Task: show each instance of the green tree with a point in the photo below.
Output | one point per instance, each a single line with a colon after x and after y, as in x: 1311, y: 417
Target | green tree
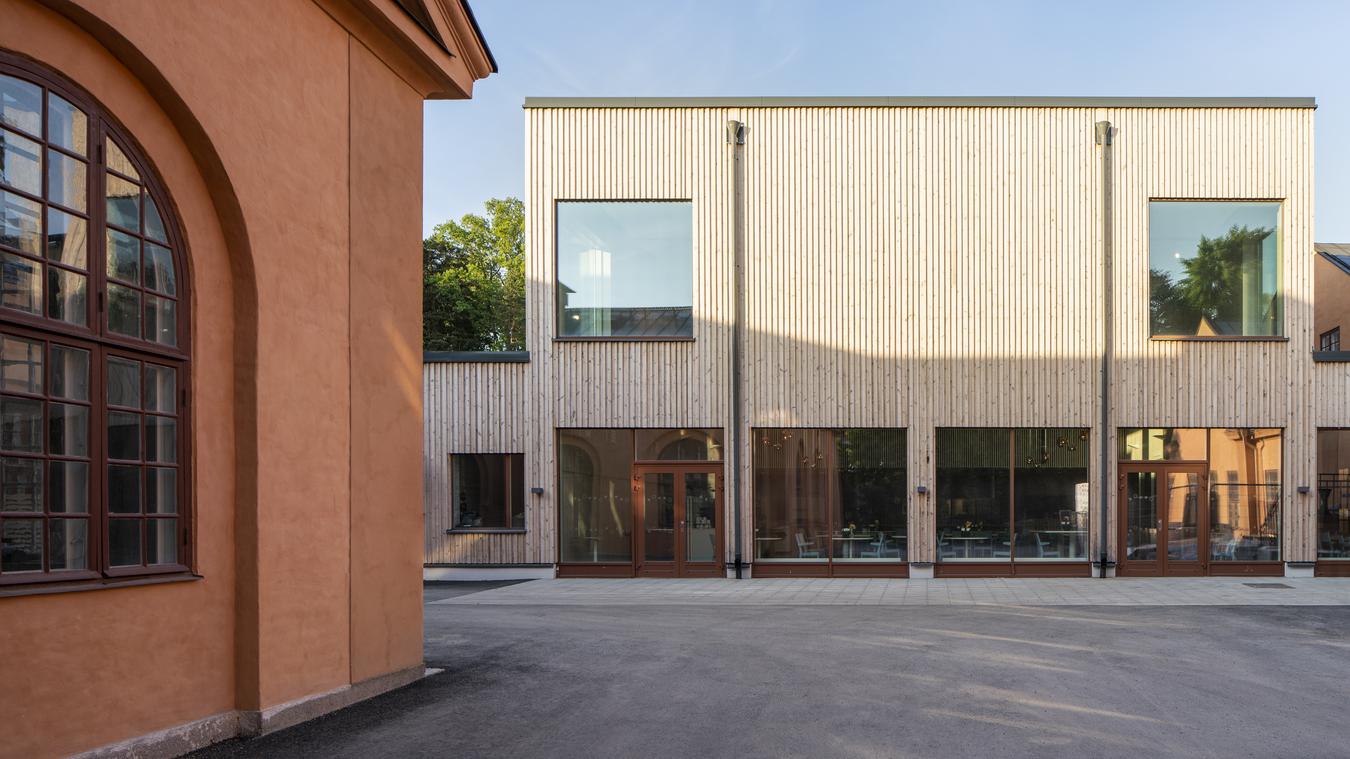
x: 473, y: 281
x: 1214, y: 286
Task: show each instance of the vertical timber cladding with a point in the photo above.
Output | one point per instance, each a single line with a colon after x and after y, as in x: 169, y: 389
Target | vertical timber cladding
x: 470, y: 408
x: 1221, y: 153
x: 917, y: 267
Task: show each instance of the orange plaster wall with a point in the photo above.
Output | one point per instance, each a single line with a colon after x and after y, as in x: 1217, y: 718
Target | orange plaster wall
x: 386, y: 337
x: 268, y: 82
x: 1331, y: 301
x: 272, y: 115
x: 85, y: 669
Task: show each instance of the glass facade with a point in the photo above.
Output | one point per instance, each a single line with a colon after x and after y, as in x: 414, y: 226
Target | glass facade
x: 625, y: 269
x: 1244, y: 494
x: 679, y: 445
x: 595, y: 520
x: 1333, y: 494
x: 598, y: 473
x: 1162, y: 444
x: 1050, y: 493
x: 1012, y: 494
x: 823, y: 495
x: 1214, y: 269
x: 1217, y: 492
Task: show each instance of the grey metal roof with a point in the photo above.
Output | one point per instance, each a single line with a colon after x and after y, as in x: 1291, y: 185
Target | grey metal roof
x: 1337, y: 253
x: 922, y: 102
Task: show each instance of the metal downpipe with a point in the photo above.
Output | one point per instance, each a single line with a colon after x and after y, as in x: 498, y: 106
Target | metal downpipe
x: 1103, y: 138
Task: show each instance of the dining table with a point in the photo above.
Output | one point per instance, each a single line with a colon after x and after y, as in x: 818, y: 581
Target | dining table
x: 763, y: 542
x: 849, y: 540
x: 967, y: 541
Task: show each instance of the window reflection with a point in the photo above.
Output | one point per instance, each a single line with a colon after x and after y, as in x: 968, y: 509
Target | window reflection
x: 679, y: 445
x: 625, y: 269
x: 1214, y: 268
x: 822, y: 495
x: 1333, y: 494
x: 973, y: 493
x: 1050, y: 488
x: 1162, y: 444
x: 1244, y: 486
x: 1008, y: 494
x: 595, y: 507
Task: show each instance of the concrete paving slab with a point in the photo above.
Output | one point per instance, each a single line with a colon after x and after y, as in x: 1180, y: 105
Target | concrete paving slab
x: 1209, y: 591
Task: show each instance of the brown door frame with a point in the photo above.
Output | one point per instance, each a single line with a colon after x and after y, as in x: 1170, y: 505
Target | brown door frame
x: 679, y: 566
x: 1160, y: 565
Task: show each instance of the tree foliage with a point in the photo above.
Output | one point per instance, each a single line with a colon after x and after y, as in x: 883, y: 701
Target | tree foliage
x: 473, y: 281
x: 1212, y: 285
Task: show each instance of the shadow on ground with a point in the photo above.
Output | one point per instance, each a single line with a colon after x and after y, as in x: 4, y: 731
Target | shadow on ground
x: 661, y: 681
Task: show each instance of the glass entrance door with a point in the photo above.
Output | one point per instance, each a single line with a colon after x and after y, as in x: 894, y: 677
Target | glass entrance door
x: 1163, y: 520
x: 679, y: 510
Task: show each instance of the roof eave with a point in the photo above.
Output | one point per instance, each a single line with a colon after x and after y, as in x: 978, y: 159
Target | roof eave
x: 958, y: 101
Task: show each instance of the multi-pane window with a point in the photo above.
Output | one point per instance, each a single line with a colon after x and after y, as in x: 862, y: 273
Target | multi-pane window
x: 625, y: 270
x: 1330, y: 340
x: 487, y: 491
x: 1214, y: 269
x: 45, y: 413
x: 92, y: 361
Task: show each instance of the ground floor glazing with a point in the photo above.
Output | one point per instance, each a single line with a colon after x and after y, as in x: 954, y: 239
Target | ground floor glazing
x: 1005, y: 502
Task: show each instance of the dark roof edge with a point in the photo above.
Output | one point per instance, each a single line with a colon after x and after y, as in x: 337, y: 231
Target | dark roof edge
x: 1334, y: 260
x: 468, y: 11
x: 921, y: 102
x: 476, y: 357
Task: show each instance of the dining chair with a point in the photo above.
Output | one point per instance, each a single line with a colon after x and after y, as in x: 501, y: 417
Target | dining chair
x: 1000, y: 549
x: 1044, y: 550
x: 805, y: 550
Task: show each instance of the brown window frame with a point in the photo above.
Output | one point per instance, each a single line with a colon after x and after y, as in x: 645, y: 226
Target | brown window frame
x: 102, y: 344
x: 508, y: 491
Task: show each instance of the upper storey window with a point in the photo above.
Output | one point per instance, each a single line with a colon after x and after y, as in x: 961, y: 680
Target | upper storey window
x: 93, y: 359
x: 625, y: 270
x: 1214, y: 269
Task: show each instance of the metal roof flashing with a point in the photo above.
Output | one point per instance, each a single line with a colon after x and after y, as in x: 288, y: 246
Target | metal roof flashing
x: 921, y: 102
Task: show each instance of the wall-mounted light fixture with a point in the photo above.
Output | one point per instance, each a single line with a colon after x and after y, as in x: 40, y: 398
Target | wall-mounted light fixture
x: 537, y: 491
x: 1304, y: 489
x: 921, y: 490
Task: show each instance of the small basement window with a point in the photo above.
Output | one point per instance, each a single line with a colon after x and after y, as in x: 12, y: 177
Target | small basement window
x: 487, y: 491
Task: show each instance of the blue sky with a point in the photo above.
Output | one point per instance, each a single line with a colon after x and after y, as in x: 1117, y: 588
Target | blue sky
x: 475, y: 150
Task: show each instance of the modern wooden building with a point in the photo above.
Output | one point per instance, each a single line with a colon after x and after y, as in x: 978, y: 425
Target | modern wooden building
x: 210, y: 217
x: 901, y: 337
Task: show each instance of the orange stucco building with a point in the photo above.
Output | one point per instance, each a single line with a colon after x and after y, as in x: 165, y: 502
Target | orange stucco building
x: 210, y: 361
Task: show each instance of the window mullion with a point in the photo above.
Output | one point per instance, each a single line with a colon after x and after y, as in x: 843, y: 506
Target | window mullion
x: 98, y: 496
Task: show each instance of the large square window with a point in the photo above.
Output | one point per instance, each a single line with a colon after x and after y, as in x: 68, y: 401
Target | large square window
x: 1214, y: 269
x: 625, y: 269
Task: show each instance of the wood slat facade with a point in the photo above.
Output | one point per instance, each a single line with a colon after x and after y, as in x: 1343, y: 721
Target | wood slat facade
x: 906, y: 266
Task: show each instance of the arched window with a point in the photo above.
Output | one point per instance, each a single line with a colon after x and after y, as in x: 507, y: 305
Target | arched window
x: 93, y: 344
